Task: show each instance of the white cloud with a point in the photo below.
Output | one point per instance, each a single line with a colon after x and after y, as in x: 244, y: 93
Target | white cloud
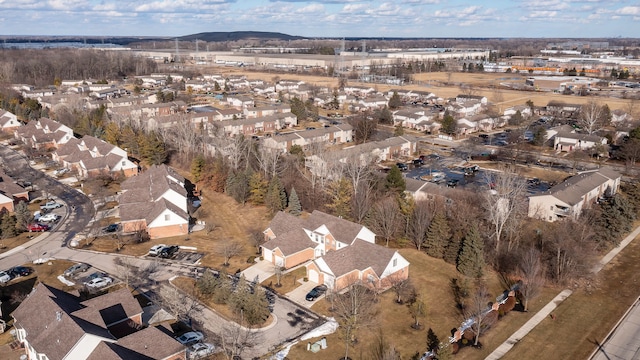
x: 629, y: 10
x: 311, y: 8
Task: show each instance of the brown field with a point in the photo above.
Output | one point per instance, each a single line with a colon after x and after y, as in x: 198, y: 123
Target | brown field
x: 288, y: 281
x: 588, y: 315
x: 447, y: 85
x: 431, y: 278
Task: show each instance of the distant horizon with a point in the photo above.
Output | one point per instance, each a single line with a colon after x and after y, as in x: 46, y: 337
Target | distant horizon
x: 401, y: 19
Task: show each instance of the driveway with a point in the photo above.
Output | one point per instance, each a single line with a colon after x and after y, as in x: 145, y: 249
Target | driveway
x: 298, y: 294
x: 263, y: 269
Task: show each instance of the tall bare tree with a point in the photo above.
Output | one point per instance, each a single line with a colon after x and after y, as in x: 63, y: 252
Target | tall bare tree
x: 478, y: 311
x: 421, y: 217
x: 504, y: 201
x: 362, y: 201
x: 354, y: 310
x: 358, y: 169
x: 592, y: 116
x: 228, y: 250
x: 532, y: 274
x: 386, y: 218
x: 184, y: 306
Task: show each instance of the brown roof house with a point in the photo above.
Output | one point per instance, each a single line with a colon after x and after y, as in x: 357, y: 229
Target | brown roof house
x: 292, y: 241
x: 91, y: 156
x: 11, y: 193
x: 44, y: 133
x: 155, y: 201
x: 55, y: 325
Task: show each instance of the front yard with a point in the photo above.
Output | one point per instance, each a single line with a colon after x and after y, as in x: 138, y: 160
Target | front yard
x: 431, y: 278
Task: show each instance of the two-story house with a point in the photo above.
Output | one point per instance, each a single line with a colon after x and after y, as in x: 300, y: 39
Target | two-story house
x: 574, y: 194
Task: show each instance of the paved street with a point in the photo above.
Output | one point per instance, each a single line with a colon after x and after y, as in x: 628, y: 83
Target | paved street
x: 291, y: 320
x: 623, y: 342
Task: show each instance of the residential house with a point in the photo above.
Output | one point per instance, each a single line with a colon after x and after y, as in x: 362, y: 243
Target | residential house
x: 573, y: 195
x: 620, y: 116
x: 338, y: 252
x: 227, y: 114
x: 262, y: 125
x: 375, y: 151
x: 569, y: 141
x: 373, y: 265
x: 44, y: 133
x: 467, y: 108
x: 259, y: 111
x: 155, y: 201
x: 338, y: 134
x: 525, y: 111
x: 8, y: 122
x: 240, y: 101
x: 11, y: 193
x: 91, y: 156
x: 464, y: 98
x: 55, y: 325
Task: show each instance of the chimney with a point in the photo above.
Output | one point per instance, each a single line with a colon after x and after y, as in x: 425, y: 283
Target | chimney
x: 59, y: 315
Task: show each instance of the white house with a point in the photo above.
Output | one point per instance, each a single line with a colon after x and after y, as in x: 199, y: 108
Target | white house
x: 570, y: 197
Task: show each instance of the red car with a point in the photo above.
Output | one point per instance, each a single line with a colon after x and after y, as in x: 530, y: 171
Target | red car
x: 37, y: 227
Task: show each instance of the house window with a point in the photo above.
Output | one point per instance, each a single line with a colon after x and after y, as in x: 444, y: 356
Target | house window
x: 123, y: 163
x: 395, y: 262
x: 166, y: 217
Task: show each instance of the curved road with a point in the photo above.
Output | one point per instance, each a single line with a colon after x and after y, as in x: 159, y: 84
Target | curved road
x: 79, y: 212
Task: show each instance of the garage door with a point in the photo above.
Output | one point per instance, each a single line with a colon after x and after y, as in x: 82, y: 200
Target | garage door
x: 268, y: 255
x: 279, y: 260
x: 314, y: 276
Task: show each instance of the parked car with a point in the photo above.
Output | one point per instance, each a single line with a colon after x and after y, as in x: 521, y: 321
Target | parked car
x: 200, y: 350
x: 60, y: 171
x: 452, y: 183
x: 49, y: 218
x: 316, y: 292
x: 111, y: 228
x: 76, y: 268
x: 95, y: 275
x: 402, y: 166
x: 4, y: 277
x: 168, y: 252
x: 98, y: 282
x: 36, y: 227
x: 17, y: 271
x: 155, y: 249
x: 418, y: 162
x: 50, y: 205
x: 190, y: 337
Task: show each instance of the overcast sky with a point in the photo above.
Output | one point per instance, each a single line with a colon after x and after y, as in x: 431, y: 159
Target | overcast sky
x: 329, y: 18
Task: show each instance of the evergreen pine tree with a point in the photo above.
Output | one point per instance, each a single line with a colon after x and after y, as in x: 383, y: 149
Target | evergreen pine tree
x: 340, y: 193
x: 394, y: 181
x: 294, y: 203
x: 432, y: 340
x: 8, y: 226
x: 258, y: 187
x: 438, y: 236
x: 23, y: 216
x: 452, y: 250
x: 395, y: 101
x: 471, y: 260
x: 197, y: 167
x: 276, y: 199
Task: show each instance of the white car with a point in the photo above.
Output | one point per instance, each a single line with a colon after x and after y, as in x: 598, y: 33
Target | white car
x: 60, y: 171
x: 4, y: 277
x: 48, y: 218
x: 155, y: 250
x: 190, y: 337
x: 200, y: 350
x: 99, y: 282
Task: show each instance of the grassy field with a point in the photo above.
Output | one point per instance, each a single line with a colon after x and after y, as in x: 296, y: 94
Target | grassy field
x: 431, y: 278
x: 288, y: 281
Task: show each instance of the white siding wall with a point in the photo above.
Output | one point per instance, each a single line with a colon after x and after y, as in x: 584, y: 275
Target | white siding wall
x: 173, y: 220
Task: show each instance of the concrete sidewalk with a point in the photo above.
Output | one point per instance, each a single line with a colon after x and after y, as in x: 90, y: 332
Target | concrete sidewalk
x: 501, y: 350
x: 528, y: 326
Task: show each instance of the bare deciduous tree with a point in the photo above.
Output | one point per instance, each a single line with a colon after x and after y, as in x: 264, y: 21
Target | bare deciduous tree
x: 532, y: 274
x: 401, y: 286
x: 229, y: 249
x: 478, y: 311
x: 592, y: 117
x: 421, y: 217
x: 235, y: 339
x: 354, y: 310
x: 184, y: 306
x: 362, y: 201
x: 357, y: 168
x: 504, y: 202
x: 386, y: 218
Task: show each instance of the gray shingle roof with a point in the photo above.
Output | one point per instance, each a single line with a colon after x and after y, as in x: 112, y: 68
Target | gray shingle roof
x: 573, y: 189
x: 359, y: 256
